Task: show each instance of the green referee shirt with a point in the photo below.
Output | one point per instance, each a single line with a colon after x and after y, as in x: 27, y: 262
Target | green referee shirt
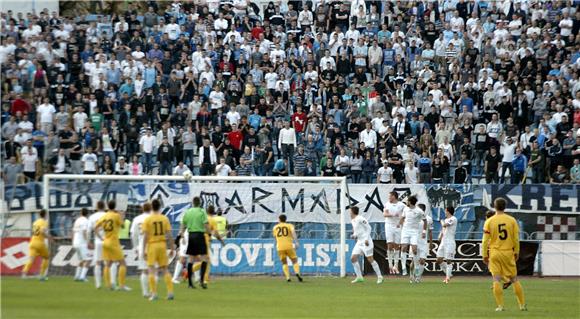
x: 195, y: 219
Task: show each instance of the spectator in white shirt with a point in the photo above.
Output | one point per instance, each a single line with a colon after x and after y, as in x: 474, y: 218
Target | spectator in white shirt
x: 411, y: 173
x: 90, y: 162
x: 508, y: 150
x: 46, y: 113
x: 287, y: 143
x: 147, y: 144
x: 223, y: 169
x: 369, y: 137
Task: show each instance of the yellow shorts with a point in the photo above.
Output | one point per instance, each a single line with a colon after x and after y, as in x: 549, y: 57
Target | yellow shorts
x: 38, y: 249
x: 157, y: 255
x: 502, y: 263
x: 287, y: 253
x: 112, y: 251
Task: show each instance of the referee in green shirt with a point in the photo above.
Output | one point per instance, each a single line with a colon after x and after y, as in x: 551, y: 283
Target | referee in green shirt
x: 196, y: 223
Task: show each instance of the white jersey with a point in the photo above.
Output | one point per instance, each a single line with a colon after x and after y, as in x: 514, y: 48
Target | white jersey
x: 136, y: 233
x: 413, y: 218
x: 429, y: 228
x: 93, y: 219
x: 394, y: 209
x: 361, y: 229
x: 80, y: 231
x: 449, y: 229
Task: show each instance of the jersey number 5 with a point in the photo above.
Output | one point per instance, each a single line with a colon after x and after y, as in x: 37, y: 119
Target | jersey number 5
x: 157, y: 228
x: 503, y: 235
x: 282, y: 232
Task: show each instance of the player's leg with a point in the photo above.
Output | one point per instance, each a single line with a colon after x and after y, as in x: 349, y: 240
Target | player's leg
x: 390, y: 256
x: 204, y: 262
x: 79, y: 267
x: 123, y: 275
x: 152, y: 282
x: 498, y: 292
x: 415, y: 264
x: 178, y: 268
x: 114, y: 273
x: 98, y: 264
x: 190, y: 269
x: 28, y: 265
x: 376, y: 268
x: 497, y: 268
x: 397, y: 248
x: 441, y: 260
x: 404, y: 253
x: 143, y: 266
x: 107, y: 273
x: 168, y: 282
x: 284, y: 261
x: 296, y: 268
x: 356, y: 252
x: 519, y: 291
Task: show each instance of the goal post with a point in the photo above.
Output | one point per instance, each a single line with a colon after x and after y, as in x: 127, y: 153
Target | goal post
x: 290, y: 193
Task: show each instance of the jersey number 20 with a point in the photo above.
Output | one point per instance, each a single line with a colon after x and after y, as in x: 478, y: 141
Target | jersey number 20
x: 282, y: 232
x: 503, y: 235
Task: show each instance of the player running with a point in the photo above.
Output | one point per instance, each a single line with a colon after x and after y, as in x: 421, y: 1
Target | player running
x: 138, y: 241
x: 392, y: 213
x: 364, y: 246
x: 411, y: 232
x: 156, y: 234
x: 501, y: 248
x: 214, y: 233
x: 97, y: 243
x: 81, y: 245
x: 446, y: 250
x: 286, y: 244
x: 38, y: 246
x: 424, y: 243
x: 111, y: 223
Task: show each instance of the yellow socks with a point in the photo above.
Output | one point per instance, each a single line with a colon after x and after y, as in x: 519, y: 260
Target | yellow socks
x: 168, y: 283
x: 27, y: 266
x: 152, y: 284
x: 107, y: 276
x: 206, y: 277
x: 519, y: 291
x: 44, y: 266
x: 498, y: 293
x: 122, y: 275
x: 196, y: 267
x: 286, y: 271
x: 296, y: 268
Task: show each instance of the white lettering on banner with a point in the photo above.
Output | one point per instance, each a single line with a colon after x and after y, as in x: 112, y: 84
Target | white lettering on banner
x: 269, y: 258
x: 237, y: 255
x: 308, y: 249
x: 323, y: 258
x: 467, y: 249
x: 252, y: 252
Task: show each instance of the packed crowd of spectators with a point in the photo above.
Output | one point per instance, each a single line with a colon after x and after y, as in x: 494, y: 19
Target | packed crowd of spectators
x: 380, y: 91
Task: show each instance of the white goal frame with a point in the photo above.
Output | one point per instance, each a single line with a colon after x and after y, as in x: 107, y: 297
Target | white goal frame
x: 345, y: 198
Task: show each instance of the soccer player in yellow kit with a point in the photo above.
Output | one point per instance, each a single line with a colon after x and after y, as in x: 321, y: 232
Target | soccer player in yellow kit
x: 157, y: 231
x: 208, y: 236
x: 38, y: 246
x: 111, y: 223
x: 285, y: 237
x: 500, y: 250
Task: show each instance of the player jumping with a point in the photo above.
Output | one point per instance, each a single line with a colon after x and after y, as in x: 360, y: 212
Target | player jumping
x: 424, y: 243
x: 97, y: 243
x: 156, y: 234
x: 411, y: 232
x: 111, y: 223
x: 38, y: 246
x: 286, y: 244
x: 138, y: 241
x: 446, y: 250
x: 81, y: 245
x: 392, y: 213
x: 364, y: 245
x: 501, y: 248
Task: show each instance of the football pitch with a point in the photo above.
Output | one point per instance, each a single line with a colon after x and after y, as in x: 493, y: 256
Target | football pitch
x: 271, y: 297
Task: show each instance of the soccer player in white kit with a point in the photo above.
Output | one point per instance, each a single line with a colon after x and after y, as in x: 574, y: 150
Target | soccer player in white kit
x: 81, y: 245
x: 411, y: 232
x: 137, y: 241
x: 98, y: 243
x: 182, y: 254
x: 424, y: 243
x: 364, y: 245
x: 446, y: 250
x: 392, y: 213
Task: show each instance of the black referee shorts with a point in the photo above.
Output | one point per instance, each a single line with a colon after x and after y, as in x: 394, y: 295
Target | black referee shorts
x: 196, y: 245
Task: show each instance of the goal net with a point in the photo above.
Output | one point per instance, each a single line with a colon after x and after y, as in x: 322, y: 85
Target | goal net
x: 251, y: 205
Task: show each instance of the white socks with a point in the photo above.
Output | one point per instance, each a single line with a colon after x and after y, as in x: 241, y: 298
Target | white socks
x: 376, y: 268
x: 144, y: 284
x: 178, y: 270
x: 420, y: 269
x: 404, y: 260
x: 390, y: 258
x: 397, y: 257
x: 449, y: 271
x: 78, y: 273
x: 444, y: 267
x: 357, y: 270
x: 84, y: 271
x: 416, y: 262
x: 98, y: 275
x: 114, y: 268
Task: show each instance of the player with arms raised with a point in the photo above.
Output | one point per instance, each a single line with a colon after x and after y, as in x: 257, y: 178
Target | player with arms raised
x: 138, y: 241
x: 411, y: 232
x: 500, y: 249
x: 446, y: 250
x: 424, y: 243
x: 81, y: 245
x: 156, y: 234
x: 364, y: 246
x: 111, y: 223
x: 38, y: 246
x: 392, y: 213
x: 97, y: 243
x: 286, y: 244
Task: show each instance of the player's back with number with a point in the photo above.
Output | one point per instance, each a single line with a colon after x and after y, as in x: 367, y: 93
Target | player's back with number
x: 503, y: 231
x: 39, y: 231
x: 111, y: 223
x: 283, y: 234
x: 156, y: 226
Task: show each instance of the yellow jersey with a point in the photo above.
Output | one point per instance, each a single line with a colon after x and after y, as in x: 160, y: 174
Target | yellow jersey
x: 501, y: 232
x: 39, y: 230
x: 156, y: 227
x: 283, y: 232
x: 212, y: 226
x: 111, y: 223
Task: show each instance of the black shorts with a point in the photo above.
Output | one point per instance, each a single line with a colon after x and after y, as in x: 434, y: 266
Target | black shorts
x: 196, y: 245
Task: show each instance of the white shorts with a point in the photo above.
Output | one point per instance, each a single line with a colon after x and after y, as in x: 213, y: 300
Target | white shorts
x: 141, y: 262
x: 410, y: 237
x: 82, y: 252
x: 361, y: 249
x: 423, y: 249
x: 393, y: 234
x: 446, y: 250
x: 98, y: 252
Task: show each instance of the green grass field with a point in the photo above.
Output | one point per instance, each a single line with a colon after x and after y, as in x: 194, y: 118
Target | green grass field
x: 266, y: 297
